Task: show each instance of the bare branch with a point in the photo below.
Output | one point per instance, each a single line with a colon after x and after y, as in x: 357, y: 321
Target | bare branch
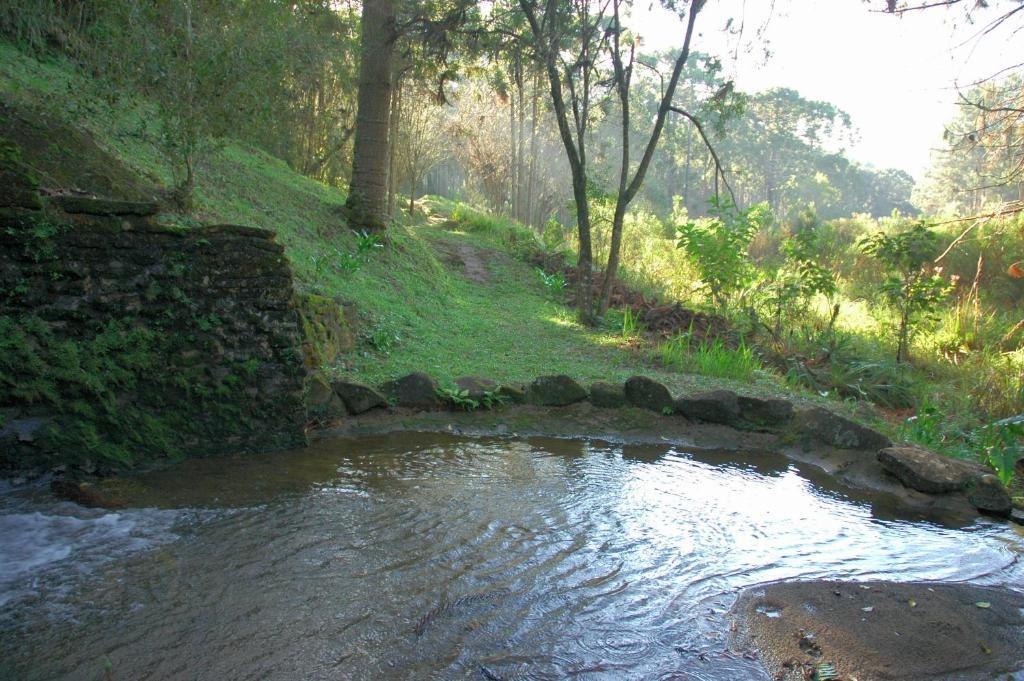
x: 719, y: 169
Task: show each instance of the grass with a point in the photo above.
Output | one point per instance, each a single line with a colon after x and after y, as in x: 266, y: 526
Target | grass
x: 709, y: 358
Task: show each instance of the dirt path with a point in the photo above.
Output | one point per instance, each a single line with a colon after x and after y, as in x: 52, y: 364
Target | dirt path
x: 470, y: 261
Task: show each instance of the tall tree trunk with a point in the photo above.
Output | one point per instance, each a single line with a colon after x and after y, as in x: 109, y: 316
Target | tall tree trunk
x: 395, y: 121
x: 366, y: 207
x: 513, y: 193
x: 531, y: 178
x: 520, y: 145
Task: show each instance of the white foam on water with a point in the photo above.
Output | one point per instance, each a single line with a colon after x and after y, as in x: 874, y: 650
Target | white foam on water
x: 37, y: 540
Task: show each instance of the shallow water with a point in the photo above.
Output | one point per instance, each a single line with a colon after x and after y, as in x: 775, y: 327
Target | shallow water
x: 419, y: 556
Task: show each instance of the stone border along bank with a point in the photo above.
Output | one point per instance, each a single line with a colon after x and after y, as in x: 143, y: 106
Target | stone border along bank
x: 916, y: 468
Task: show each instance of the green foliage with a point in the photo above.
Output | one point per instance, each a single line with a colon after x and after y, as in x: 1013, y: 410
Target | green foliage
x: 846, y: 374
x: 717, y: 246
x: 554, y: 283
x: 458, y: 398
x: 999, y: 445
x: 331, y: 257
x: 86, y: 381
x: 709, y: 358
x: 381, y: 335
x: 912, y: 286
x: 926, y: 427
x: 631, y: 325
x: 502, y: 231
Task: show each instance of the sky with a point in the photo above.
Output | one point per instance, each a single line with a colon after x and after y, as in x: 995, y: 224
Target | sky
x: 895, y: 76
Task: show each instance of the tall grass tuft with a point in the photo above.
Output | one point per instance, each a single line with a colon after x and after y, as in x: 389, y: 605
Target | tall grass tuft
x: 709, y: 358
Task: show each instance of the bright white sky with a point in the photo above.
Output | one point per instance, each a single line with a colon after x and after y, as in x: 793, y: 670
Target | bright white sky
x: 894, y: 76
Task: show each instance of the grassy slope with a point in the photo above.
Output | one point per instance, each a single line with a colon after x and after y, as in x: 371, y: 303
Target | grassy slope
x: 510, y: 328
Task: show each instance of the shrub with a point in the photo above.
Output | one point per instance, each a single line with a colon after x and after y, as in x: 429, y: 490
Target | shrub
x: 912, y: 286
x: 717, y: 246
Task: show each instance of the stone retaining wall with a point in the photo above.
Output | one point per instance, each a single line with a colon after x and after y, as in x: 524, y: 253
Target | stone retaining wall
x: 124, y: 339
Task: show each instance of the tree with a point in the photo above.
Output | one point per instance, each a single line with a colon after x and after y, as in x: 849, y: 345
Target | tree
x: 983, y: 160
x: 427, y: 30
x: 630, y: 181
x: 197, y: 61
x: 569, y: 40
x: 366, y: 207
x: 912, y: 286
x: 421, y: 144
x: 571, y: 29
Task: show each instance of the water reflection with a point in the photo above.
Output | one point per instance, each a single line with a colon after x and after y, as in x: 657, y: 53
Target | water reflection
x: 430, y: 556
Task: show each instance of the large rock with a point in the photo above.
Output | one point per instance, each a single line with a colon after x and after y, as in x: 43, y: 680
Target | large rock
x: 555, y: 391
x: 476, y: 387
x: 988, y: 495
x: 909, y: 631
x: 322, y: 404
x: 358, y: 398
x: 514, y: 393
x: 837, y: 431
x: 648, y: 394
x: 86, y: 494
x: 924, y: 470
x: 769, y: 413
x: 607, y: 395
x: 716, y: 406
x: 415, y: 391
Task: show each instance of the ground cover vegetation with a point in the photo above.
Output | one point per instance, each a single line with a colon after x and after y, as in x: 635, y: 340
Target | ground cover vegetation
x: 539, y: 138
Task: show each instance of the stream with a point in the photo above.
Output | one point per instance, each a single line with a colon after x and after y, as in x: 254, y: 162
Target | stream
x: 431, y: 556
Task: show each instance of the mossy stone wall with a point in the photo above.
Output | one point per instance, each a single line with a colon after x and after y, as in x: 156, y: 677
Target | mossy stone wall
x: 123, y: 340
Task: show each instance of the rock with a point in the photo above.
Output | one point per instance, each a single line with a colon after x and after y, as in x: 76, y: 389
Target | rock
x: 907, y: 631
x: 328, y: 329
x: 514, y: 393
x: 358, y: 398
x: 647, y: 393
x: 26, y: 429
x: 475, y: 386
x: 321, y: 401
x: 97, y: 206
x: 765, y: 412
x: 988, y: 495
x: 838, y: 431
x: 607, y: 395
x: 85, y: 494
x: 716, y: 406
x: 415, y: 391
x: 924, y: 470
x: 555, y: 391
x: 1017, y: 515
